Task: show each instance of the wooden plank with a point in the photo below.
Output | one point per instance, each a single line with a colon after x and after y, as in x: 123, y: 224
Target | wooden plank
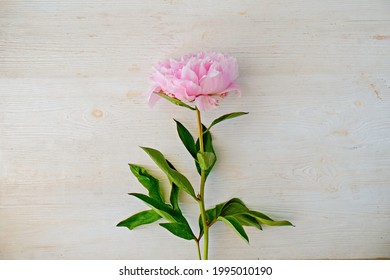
x: 315, y: 148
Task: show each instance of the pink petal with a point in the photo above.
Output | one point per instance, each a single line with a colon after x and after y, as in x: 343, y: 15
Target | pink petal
x: 214, y: 82
x: 188, y: 74
x: 192, y: 89
x: 153, y: 97
x: 233, y: 87
x: 159, y: 78
x: 179, y: 91
x: 205, y: 102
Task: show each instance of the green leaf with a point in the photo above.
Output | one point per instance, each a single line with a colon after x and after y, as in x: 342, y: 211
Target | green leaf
x: 218, y: 208
x: 235, y: 225
x: 175, y: 101
x: 235, y: 213
x: 225, y: 117
x: 174, y: 196
x: 234, y: 206
x: 141, y: 218
x: 173, y: 175
x: 205, y: 160
x: 264, y: 219
x: 180, y: 230
x: 230, y: 207
x: 148, y: 181
x: 186, y: 138
x: 211, y: 218
x: 247, y: 220
x: 208, y: 148
x: 160, y: 208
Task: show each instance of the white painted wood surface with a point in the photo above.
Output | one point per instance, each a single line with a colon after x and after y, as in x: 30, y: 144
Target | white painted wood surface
x: 315, y: 148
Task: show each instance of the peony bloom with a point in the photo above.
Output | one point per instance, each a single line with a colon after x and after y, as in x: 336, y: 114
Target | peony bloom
x: 203, y: 79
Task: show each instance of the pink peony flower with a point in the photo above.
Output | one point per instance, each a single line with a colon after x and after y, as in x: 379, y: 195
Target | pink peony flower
x: 203, y: 79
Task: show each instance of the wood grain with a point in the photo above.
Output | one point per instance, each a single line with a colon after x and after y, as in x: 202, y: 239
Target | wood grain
x: 315, y: 148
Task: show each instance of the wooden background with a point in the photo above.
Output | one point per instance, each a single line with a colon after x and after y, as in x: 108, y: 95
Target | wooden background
x: 315, y: 148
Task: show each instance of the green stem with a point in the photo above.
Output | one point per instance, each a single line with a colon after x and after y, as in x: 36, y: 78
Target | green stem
x: 198, y: 249
x: 201, y: 193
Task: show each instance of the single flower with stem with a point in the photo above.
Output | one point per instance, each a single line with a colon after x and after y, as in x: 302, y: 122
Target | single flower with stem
x: 204, y: 80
